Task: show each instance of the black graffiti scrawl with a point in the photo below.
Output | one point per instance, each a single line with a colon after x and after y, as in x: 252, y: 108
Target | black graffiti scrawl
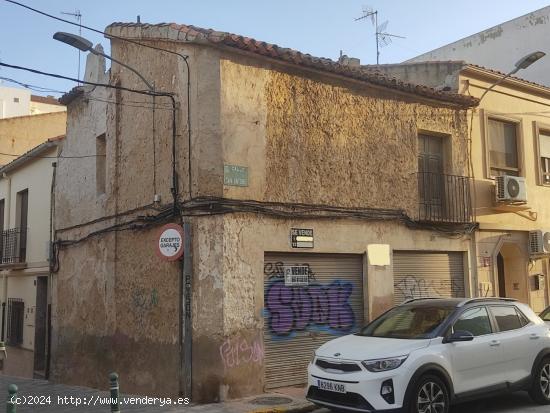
x: 316, y: 306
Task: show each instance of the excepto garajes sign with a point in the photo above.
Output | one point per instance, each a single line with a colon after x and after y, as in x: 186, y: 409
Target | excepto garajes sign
x: 170, y: 242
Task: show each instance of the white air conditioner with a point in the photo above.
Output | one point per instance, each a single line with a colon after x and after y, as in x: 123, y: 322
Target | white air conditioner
x: 511, y: 189
x: 539, y: 242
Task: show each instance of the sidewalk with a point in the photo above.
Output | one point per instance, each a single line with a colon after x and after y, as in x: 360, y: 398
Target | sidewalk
x: 56, y: 398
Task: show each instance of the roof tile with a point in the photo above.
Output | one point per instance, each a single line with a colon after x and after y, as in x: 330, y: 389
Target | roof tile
x: 191, y: 33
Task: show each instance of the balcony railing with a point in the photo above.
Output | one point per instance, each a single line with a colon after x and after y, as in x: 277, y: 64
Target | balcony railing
x: 444, y: 198
x: 13, y: 248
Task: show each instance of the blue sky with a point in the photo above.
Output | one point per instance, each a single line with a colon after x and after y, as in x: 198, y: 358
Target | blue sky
x: 319, y: 27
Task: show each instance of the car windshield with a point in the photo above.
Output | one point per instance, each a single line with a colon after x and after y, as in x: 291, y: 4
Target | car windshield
x: 545, y: 315
x: 408, y: 322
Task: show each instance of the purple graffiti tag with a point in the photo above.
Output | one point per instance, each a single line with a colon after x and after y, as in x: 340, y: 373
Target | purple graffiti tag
x: 340, y: 312
x: 278, y: 301
x: 301, y: 306
x: 297, y: 308
x: 320, y: 305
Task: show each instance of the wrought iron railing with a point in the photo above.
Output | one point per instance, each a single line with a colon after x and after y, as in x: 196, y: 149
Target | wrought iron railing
x: 444, y: 198
x: 13, y: 248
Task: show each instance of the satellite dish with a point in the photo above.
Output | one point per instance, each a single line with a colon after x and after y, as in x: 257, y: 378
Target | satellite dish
x: 546, y: 241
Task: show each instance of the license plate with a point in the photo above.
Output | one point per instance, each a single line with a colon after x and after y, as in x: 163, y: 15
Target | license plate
x: 331, y: 386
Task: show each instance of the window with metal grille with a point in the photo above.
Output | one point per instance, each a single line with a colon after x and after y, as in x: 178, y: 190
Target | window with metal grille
x: 16, y: 317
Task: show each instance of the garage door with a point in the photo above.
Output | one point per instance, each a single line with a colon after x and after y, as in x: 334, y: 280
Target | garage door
x: 427, y: 274
x: 323, y: 300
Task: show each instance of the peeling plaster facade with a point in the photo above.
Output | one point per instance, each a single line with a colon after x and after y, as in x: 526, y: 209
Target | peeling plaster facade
x: 306, y: 137
x: 500, y: 47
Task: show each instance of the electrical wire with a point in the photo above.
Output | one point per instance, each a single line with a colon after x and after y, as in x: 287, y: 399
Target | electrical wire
x: 50, y: 157
x: 32, y: 87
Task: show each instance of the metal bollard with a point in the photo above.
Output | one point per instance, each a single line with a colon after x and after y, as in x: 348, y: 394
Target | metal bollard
x: 113, y: 378
x: 11, y: 406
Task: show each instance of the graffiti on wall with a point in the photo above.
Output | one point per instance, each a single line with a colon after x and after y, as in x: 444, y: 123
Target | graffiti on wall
x: 238, y: 350
x: 315, y: 306
x: 418, y: 287
x: 144, y: 300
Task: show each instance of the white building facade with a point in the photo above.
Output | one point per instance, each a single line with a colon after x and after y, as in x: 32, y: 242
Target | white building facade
x: 499, y: 47
x: 25, y: 222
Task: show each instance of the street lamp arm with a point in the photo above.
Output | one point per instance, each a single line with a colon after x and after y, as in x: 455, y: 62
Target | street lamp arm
x: 498, y: 82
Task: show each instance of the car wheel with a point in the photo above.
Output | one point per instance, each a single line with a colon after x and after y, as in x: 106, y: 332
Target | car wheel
x: 540, y: 389
x: 430, y: 395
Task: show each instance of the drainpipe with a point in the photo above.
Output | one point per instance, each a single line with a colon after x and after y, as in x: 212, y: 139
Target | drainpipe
x: 474, y: 289
x: 50, y: 276
x: 186, y: 322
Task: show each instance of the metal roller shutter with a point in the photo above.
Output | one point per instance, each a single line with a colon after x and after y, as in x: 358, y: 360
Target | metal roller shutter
x: 298, y: 319
x: 427, y: 274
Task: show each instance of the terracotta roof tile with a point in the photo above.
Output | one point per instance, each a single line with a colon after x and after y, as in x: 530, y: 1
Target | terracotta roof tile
x: 195, y: 34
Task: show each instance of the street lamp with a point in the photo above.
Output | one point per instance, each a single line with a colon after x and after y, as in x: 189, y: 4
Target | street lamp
x: 86, y: 46
x: 522, y: 63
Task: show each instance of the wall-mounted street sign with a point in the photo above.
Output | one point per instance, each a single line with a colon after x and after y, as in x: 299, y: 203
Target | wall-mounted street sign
x: 234, y: 175
x: 170, y: 242
x: 301, y: 238
x: 296, y: 275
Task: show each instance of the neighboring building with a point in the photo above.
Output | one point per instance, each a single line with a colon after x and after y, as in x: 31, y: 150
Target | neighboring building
x: 279, y: 140
x: 22, y: 133
x: 45, y: 104
x: 501, y: 46
x: 25, y: 225
x: 16, y: 102
x: 510, y: 137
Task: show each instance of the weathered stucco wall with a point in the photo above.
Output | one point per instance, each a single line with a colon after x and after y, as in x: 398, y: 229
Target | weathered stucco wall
x: 117, y: 312
x: 247, y: 237
x: 314, y: 139
x: 20, y: 134
x: 116, y: 303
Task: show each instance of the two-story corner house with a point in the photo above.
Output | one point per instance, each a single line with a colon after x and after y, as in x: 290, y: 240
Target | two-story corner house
x: 510, y: 152
x: 25, y: 225
x: 318, y: 195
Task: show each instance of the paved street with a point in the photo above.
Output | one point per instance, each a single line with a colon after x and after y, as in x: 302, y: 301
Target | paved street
x: 516, y: 403
x: 93, y: 401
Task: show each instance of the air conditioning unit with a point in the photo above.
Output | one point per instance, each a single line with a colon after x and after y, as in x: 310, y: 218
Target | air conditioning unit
x: 539, y: 242
x: 511, y: 189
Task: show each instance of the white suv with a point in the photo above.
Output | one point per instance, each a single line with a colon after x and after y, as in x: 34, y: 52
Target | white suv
x: 425, y: 355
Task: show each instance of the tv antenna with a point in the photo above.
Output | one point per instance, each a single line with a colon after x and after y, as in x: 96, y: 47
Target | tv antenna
x: 78, y: 17
x: 383, y: 38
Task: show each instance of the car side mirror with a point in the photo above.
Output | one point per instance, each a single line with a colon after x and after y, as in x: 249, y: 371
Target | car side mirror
x: 459, y: 336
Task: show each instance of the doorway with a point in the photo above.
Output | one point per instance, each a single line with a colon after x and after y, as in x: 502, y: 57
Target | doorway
x: 40, y: 330
x: 511, y: 268
x: 501, y: 277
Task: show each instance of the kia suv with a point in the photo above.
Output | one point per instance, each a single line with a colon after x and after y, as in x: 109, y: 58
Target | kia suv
x: 424, y: 355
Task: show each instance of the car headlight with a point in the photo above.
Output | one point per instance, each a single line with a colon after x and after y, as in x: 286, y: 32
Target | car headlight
x: 384, y: 364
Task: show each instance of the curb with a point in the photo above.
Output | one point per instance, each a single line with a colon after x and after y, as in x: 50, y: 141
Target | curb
x: 305, y: 408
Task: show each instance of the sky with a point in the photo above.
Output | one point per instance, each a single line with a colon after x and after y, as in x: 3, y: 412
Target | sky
x: 319, y: 27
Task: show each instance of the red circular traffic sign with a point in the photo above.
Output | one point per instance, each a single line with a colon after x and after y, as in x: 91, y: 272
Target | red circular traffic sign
x: 170, y: 242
